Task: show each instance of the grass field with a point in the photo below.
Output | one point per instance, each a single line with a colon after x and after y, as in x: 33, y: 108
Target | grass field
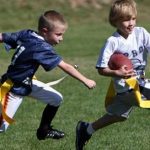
x: 87, y: 32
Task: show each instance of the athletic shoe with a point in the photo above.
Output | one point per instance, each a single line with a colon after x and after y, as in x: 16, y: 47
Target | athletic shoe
x: 50, y: 133
x: 82, y: 136
x: 55, y: 134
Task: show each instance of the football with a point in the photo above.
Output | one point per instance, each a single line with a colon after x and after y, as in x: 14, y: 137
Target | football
x: 117, y: 60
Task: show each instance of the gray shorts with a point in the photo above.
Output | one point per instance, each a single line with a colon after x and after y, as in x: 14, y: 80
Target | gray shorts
x: 123, y: 103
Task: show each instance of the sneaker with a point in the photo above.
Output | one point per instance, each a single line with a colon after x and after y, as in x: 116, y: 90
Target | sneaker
x: 55, y: 134
x: 50, y: 133
x: 82, y: 136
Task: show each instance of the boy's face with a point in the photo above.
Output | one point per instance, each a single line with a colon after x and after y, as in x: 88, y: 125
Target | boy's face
x: 56, y: 36
x: 126, y: 26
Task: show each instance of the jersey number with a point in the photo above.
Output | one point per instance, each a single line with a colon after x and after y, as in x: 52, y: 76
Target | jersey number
x: 19, y: 50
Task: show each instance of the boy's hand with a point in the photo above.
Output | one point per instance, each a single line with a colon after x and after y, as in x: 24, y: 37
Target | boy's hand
x: 90, y: 83
x: 124, y: 73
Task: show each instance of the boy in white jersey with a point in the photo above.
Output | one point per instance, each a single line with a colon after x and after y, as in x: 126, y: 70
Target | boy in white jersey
x: 134, y: 42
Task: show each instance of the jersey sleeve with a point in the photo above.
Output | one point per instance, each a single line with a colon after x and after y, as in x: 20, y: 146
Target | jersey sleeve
x: 47, y: 58
x: 146, y: 39
x: 105, y: 54
x: 10, y: 39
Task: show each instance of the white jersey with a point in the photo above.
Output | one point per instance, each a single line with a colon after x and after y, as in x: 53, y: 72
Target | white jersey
x: 135, y: 47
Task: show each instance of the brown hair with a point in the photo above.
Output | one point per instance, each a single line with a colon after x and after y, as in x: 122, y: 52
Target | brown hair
x: 121, y: 10
x: 50, y: 19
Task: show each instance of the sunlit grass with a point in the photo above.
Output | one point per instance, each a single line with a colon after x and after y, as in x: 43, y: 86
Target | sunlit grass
x: 87, y: 32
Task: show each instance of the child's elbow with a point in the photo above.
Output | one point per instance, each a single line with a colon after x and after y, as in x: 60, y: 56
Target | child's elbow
x: 100, y: 71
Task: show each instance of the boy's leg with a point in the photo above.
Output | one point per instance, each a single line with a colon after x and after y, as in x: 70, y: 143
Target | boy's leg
x: 85, y: 130
x: 118, y: 111
x: 11, y: 103
x: 45, y: 129
x: 53, y: 99
x: 106, y: 120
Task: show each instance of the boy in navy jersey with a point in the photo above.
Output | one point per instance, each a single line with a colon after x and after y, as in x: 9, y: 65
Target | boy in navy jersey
x: 32, y: 50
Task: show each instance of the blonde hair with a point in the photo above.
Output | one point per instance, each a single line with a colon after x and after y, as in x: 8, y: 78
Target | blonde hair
x: 50, y: 19
x: 121, y: 10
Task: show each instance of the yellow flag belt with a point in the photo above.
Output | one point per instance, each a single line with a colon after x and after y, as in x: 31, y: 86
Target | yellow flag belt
x: 133, y: 83
x: 4, y: 89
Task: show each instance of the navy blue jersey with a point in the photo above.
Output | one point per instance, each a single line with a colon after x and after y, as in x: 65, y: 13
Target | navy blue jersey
x: 31, y: 52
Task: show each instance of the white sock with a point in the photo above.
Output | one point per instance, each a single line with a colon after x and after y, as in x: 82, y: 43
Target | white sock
x: 90, y: 129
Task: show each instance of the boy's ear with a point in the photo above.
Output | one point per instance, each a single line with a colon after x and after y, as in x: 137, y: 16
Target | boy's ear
x: 44, y: 30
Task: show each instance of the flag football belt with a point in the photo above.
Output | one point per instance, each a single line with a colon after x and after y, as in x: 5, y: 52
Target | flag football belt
x: 133, y: 84
x: 4, y: 89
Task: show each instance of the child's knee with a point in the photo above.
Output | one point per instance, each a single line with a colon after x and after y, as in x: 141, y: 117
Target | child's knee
x: 57, y: 100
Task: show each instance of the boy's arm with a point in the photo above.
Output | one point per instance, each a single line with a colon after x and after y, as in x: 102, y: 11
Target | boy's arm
x: 69, y: 69
x: 122, y: 72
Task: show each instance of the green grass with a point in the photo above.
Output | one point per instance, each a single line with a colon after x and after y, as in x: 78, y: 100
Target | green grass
x: 87, y: 32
